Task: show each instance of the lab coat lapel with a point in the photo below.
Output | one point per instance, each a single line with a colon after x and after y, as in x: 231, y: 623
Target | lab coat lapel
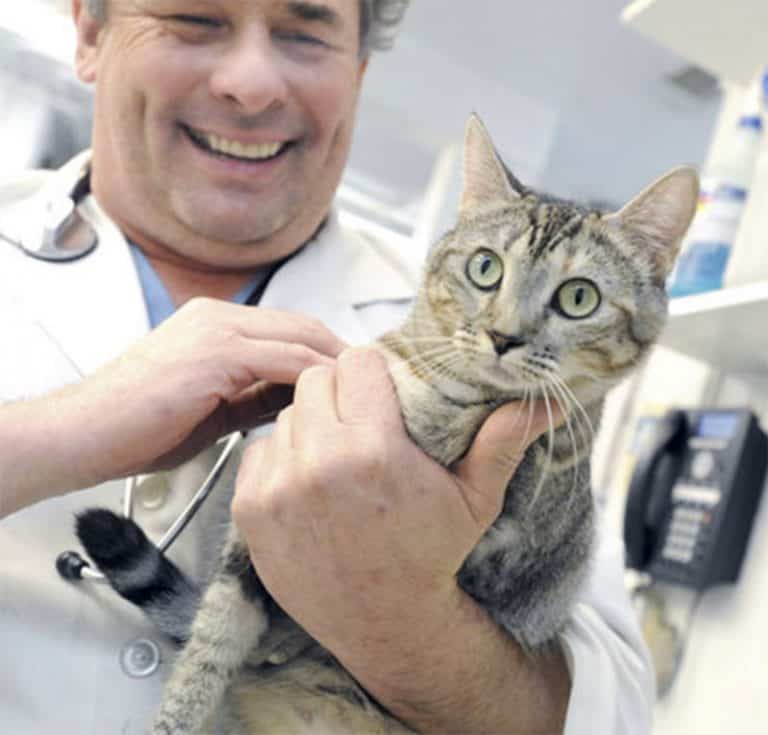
x: 93, y: 308
x: 334, y: 276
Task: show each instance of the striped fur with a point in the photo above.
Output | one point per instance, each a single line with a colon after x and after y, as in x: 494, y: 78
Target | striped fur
x: 462, y: 352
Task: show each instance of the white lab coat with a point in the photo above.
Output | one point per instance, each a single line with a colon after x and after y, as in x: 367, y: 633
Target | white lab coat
x: 70, y: 660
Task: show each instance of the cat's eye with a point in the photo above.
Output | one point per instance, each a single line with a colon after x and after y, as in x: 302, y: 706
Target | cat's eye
x: 485, y: 269
x: 577, y: 299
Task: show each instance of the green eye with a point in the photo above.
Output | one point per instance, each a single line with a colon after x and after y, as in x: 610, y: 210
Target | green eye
x: 577, y: 299
x: 485, y: 269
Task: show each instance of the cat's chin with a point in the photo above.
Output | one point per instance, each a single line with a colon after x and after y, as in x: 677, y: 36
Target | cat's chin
x: 509, y: 382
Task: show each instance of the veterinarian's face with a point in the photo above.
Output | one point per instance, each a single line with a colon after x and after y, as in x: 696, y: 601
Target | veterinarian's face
x: 229, y: 120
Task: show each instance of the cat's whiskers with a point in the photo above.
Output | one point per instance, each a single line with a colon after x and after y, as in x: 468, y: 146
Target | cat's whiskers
x: 558, y: 382
x: 575, y: 411
x: 550, y: 443
x: 526, y: 397
x: 571, y: 419
x: 551, y: 380
x: 428, y: 359
x: 428, y: 338
x: 552, y: 370
x: 446, y: 367
x: 577, y: 403
x: 527, y: 432
x: 560, y: 398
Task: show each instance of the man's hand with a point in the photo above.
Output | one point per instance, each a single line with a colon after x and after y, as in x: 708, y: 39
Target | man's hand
x: 212, y: 368
x: 358, y: 534
x: 342, y: 488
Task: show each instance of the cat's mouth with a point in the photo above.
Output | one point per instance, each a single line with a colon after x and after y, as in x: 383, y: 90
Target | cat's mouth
x: 513, y: 377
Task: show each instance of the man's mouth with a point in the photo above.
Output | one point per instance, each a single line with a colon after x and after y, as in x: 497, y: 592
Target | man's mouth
x: 233, y: 149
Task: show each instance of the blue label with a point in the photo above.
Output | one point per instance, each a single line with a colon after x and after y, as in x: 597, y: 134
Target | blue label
x: 701, y: 268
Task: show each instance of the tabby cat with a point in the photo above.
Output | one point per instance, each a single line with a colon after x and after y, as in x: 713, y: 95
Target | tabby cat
x: 529, y: 297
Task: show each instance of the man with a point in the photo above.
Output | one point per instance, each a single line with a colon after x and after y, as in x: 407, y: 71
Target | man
x: 221, y: 130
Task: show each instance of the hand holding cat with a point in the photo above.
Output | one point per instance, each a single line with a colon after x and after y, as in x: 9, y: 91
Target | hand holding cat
x: 212, y: 368
x: 355, y: 531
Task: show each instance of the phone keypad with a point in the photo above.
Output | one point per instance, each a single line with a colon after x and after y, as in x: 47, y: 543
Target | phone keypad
x: 685, y: 542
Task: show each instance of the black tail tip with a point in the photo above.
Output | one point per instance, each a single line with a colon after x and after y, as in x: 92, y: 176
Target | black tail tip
x: 109, y: 538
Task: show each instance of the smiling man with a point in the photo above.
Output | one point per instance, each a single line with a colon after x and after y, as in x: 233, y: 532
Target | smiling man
x: 221, y: 128
x: 221, y: 131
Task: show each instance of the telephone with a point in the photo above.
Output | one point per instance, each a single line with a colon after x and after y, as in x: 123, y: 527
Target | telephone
x: 693, y: 496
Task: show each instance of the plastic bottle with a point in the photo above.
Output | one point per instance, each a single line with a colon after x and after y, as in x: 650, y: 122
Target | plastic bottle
x: 749, y: 260
x: 724, y: 189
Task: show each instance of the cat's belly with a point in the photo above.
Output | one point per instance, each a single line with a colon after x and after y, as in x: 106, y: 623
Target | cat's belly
x: 306, y: 697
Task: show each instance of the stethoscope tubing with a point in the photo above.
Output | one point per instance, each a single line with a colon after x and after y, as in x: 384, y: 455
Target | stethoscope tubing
x: 86, y: 572
x: 61, y: 220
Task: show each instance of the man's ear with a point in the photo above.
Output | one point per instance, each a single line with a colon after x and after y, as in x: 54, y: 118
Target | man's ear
x: 361, y: 69
x: 88, y: 35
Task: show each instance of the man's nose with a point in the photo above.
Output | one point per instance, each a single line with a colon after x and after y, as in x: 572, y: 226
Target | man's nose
x: 250, y: 74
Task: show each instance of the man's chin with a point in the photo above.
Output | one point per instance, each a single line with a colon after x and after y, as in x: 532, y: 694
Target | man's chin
x: 230, y: 241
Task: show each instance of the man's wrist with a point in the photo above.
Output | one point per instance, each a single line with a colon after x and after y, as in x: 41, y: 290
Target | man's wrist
x: 460, y: 672
x: 49, y: 446
x: 31, y: 459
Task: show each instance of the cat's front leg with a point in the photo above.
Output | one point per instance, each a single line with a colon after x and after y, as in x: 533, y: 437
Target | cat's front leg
x: 231, y: 621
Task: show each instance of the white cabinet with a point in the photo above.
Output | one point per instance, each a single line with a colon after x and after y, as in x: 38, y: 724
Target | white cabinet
x: 729, y: 38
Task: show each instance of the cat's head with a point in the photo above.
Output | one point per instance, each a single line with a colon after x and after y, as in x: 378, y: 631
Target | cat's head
x: 528, y: 289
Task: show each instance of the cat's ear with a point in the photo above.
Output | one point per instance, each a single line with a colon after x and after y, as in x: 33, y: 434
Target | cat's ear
x: 659, y: 216
x: 486, y: 178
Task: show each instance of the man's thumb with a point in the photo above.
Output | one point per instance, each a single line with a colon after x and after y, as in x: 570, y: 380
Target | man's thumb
x: 500, y: 445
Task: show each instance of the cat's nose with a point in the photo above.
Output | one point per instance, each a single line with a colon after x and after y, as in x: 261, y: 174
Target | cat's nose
x: 503, y: 343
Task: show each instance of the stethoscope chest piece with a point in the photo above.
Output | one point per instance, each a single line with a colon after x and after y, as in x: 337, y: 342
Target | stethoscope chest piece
x: 49, y: 226
x: 61, y: 234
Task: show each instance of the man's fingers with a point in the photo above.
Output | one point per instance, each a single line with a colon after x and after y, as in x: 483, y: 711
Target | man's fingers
x: 500, y: 445
x: 285, y: 326
x: 314, y: 402
x: 258, y: 405
x: 275, y: 362
x: 364, y: 390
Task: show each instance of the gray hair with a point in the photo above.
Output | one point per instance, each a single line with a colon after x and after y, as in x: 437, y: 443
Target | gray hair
x: 379, y: 21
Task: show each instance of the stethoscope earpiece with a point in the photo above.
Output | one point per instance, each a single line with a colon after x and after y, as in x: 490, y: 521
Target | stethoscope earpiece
x: 70, y: 565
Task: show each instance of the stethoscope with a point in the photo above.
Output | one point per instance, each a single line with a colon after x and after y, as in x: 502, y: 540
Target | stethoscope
x: 64, y: 235
x: 71, y: 565
x: 49, y: 225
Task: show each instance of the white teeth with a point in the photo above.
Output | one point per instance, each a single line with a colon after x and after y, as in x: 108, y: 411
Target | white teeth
x: 253, y: 152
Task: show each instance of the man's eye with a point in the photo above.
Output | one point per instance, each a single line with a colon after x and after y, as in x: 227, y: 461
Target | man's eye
x: 302, y: 38
x: 197, y: 20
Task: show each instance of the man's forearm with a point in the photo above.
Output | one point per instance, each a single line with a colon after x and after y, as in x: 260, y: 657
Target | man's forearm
x: 44, y: 450
x: 33, y: 461
x: 470, y: 677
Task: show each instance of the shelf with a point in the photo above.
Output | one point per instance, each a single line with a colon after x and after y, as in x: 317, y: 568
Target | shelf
x: 728, y: 38
x: 727, y: 328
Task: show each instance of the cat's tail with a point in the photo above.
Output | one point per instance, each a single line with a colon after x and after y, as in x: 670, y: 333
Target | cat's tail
x: 139, y: 571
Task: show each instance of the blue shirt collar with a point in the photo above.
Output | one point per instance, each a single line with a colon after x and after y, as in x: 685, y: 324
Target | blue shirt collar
x: 156, y: 297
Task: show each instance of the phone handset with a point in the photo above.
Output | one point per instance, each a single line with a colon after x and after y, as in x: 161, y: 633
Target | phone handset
x: 648, y: 502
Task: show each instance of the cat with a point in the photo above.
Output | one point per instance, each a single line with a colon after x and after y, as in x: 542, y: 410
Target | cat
x: 528, y: 297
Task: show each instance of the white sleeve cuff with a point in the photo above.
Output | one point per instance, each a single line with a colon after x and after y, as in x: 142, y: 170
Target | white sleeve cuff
x: 612, y: 678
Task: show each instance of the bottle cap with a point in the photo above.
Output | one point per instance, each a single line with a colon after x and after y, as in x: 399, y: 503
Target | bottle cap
x: 754, y: 122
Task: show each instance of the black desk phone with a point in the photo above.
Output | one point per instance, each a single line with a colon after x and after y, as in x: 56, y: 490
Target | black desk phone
x: 693, y: 496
